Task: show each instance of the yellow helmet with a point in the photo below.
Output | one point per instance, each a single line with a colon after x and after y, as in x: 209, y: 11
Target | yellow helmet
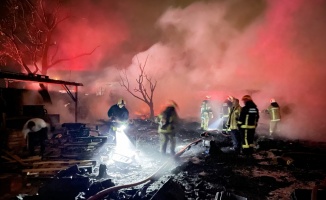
x: 121, y: 102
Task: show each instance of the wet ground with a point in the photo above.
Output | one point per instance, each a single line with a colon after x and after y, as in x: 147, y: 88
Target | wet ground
x: 277, y: 168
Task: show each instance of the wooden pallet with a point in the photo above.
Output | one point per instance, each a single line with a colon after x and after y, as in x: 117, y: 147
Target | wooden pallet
x: 52, y: 167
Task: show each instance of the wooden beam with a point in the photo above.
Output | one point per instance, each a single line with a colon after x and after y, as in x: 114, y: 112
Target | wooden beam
x: 16, y: 158
x: 35, y: 78
x: 66, y: 162
x: 54, y: 169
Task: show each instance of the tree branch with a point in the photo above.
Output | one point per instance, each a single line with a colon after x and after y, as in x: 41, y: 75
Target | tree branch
x: 68, y: 59
x: 124, y: 82
x: 55, y: 53
x: 145, y: 95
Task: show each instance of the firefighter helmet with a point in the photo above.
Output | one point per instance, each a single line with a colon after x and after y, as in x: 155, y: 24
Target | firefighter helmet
x: 272, y: 100
x: 174, y: 104
x: 246, y: 98
x: 121, y: 102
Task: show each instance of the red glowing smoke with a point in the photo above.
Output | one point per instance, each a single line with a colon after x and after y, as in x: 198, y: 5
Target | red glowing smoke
x: 270, y: 49
x: 90, y: 28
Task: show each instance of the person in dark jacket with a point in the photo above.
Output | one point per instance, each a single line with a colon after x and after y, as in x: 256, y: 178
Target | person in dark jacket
x: 118, y: 115
x: 247, y: 124
x: 168, y: 120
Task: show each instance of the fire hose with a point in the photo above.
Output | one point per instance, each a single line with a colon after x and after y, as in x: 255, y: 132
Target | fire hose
x: 105, y: 192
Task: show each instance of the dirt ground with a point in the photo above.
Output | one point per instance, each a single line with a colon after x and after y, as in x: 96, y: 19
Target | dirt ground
x: 277, y: 168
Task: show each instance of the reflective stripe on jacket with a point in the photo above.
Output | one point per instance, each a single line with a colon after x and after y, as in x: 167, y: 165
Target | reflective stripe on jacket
x: 226, y: 109
x: 207, y: 113
x: 249, y: 116
x: 233, y: 118
x: 274, y: 113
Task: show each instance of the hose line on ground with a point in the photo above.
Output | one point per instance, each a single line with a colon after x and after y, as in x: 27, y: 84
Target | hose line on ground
x: 101, y: 194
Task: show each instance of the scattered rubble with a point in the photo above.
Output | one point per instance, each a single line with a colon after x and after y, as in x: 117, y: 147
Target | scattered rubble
x: 76, y: 168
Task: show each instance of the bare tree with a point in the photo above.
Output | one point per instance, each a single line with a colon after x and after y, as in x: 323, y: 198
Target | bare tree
x: 143, y: 82
x: 27, y: 34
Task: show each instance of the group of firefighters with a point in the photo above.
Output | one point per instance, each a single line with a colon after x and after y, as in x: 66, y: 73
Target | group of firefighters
x: 241, y: 122
x: 167, y: 120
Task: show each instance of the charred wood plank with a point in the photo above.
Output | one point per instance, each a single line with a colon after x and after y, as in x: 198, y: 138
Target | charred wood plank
x: 70, y: 162
x: 16, y: 158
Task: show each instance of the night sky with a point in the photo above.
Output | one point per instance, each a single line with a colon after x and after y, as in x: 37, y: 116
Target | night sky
x: 276, y: 48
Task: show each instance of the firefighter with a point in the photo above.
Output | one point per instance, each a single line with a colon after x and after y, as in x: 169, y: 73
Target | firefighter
x: 232, y: 125
x: 275, y: 116
x: 247, y: 124
x: 36, y: 132
x: 118, y: 115
x: 168, y: 120
x: 225, y: 111
x: 206, y: 115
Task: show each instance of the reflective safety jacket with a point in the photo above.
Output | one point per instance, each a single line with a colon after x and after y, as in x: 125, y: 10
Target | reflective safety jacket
x: 249, y: 116
x: 233, y: 118
x: 226, y: 109
x: 206, y: 111
x: 167, y: 120
x: 274, y: 112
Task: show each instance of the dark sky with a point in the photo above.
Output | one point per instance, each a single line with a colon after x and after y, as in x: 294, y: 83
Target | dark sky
x: 197, y: 48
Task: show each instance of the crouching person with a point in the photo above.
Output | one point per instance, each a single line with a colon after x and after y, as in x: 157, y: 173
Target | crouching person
x: 167, y: 121
x: 35, y: 133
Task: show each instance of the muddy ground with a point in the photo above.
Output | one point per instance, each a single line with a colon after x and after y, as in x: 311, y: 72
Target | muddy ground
x: 277, y: 168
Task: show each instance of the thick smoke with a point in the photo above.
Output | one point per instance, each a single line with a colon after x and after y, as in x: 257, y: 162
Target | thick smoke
x: 269, y: 49
x: 278, y: 55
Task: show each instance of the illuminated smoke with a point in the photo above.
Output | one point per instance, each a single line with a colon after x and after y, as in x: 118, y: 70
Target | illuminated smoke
x: 279, y: 54
x: 272, y: 49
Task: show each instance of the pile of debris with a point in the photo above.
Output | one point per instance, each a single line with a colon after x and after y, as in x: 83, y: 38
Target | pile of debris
x: 278, y: 169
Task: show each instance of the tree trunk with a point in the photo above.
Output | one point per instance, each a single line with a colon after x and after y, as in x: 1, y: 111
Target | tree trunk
x: 151, y: 108
x: 45, y: 63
